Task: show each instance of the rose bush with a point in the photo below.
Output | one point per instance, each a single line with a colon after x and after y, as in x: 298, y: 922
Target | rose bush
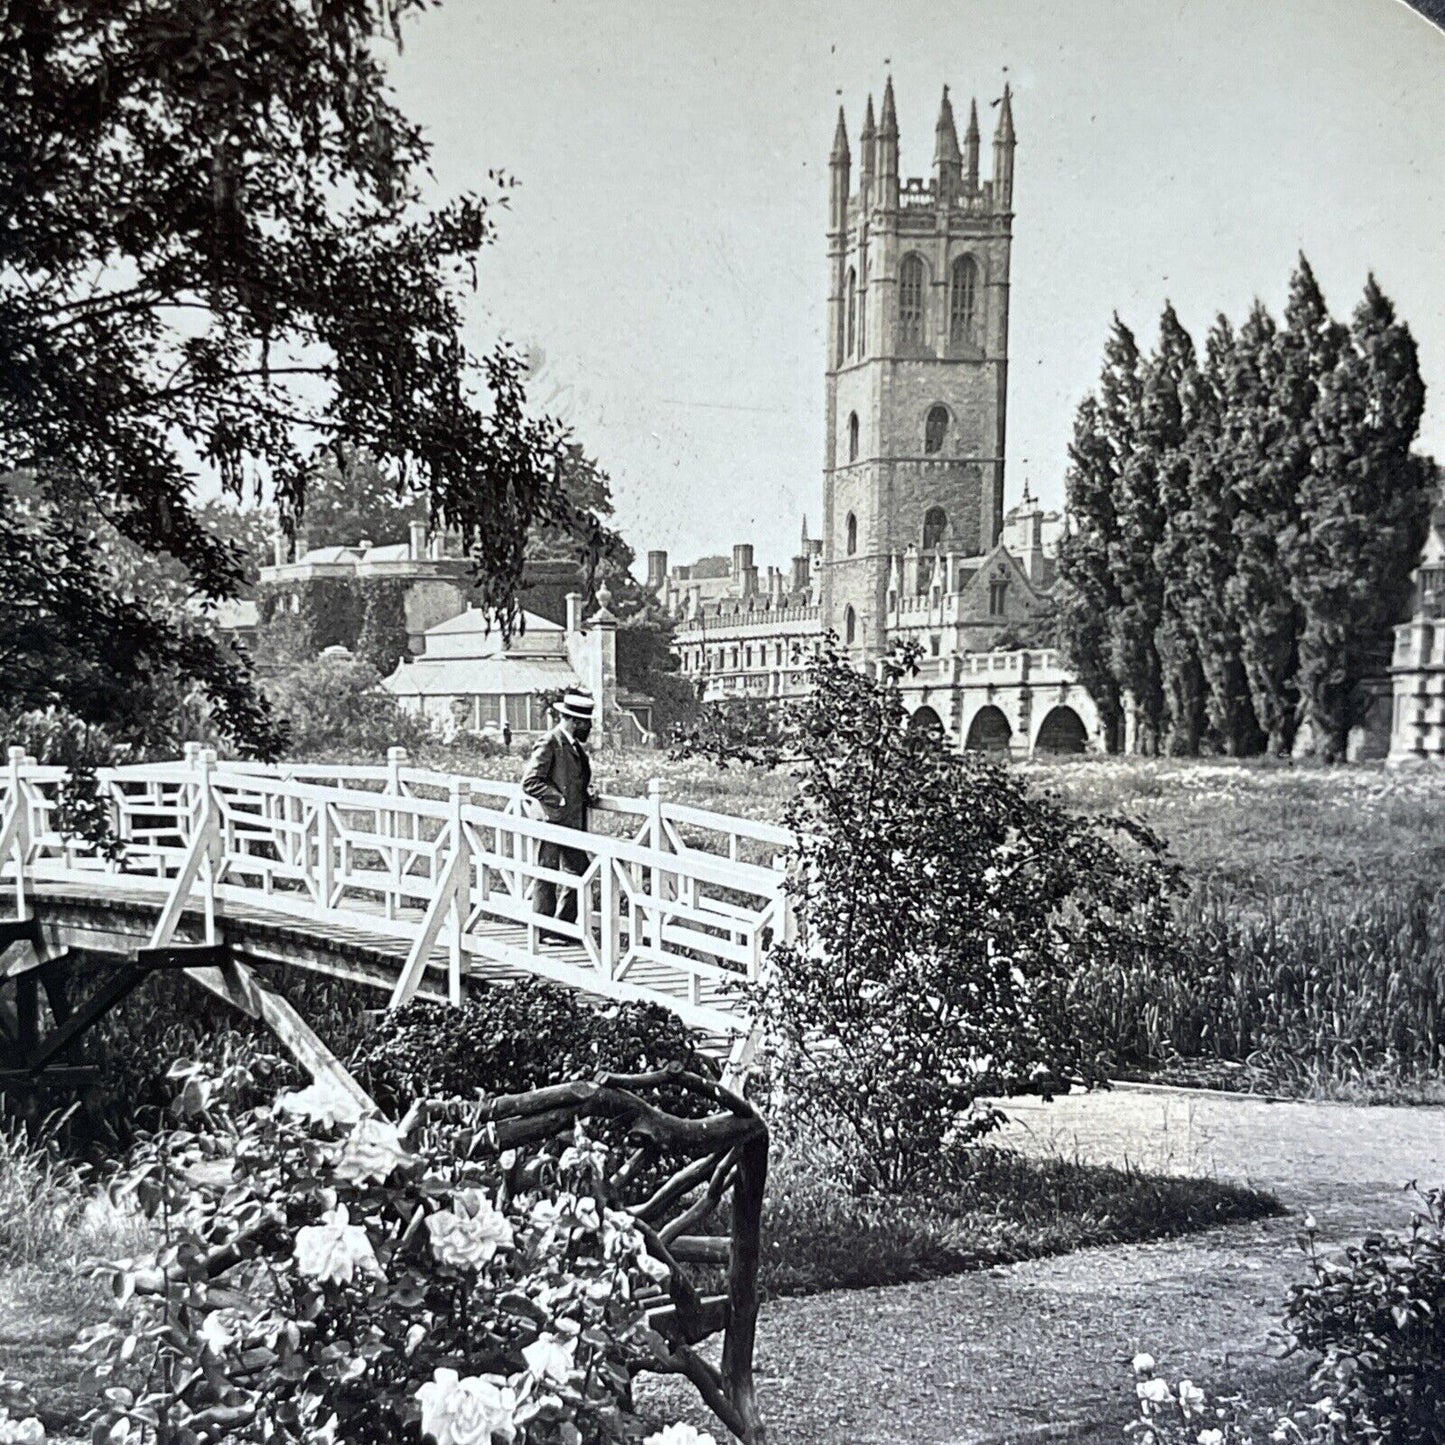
x: 325, y: 1277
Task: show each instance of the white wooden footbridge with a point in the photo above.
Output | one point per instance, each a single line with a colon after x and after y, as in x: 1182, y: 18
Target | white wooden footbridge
x: 411, y: 881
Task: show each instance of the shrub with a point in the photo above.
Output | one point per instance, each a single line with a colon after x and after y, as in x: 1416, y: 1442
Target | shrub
x: 1377, y: 1318
x: 508, y: 1038
x: 946, y: 907
x: 336, y: 703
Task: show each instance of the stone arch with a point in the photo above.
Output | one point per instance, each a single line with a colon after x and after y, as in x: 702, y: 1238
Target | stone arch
x: 1062, y: 732
x: 935, y: 528
x: 989, y: 732
x: 853, y: 436
x: 850, y: 627
x: 925, y: 720
x: 850, y: 539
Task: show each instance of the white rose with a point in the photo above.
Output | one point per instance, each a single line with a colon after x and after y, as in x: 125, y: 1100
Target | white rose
x: 1155, y: 1391
x: 1143, y: 1364
x: 1191, y: 1397
x: 549, y: 1359
x: 470, y: 1411
x: 1211, y: 1437
x: 321, y: 1103
x: 371, y: 1153
x: 469, y: 1235
x: 680, y: 1434
x: 335, y: 1249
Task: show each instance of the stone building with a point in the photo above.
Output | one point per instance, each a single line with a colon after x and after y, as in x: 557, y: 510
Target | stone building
x: 1417, y: 672
x: 468, y: 677
x: 458, y: 671
x: 916, y: 544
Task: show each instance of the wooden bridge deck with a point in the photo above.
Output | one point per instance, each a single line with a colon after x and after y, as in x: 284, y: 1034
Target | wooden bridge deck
x: 110, y: 915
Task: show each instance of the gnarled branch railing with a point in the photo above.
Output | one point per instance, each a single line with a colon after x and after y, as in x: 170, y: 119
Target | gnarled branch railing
x: 727, y: 1153
x: 677, y: 906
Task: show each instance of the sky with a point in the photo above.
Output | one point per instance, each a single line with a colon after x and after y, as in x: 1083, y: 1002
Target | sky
x: 663, y: 255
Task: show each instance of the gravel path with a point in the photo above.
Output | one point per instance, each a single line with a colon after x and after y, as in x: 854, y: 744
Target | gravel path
x: 1040, y: 1351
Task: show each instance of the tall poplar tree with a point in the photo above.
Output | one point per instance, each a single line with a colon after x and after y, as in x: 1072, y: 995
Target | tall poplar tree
x: 1170, y: 399
x: 1365, y: 501
x: 1258, y: 595
x: 1135, y: 621
x: 1201, y: 570
x: 1090, y: 597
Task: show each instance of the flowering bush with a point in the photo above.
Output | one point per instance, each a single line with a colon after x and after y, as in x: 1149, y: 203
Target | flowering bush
x: 327, y: 1277
x: 1377, y: 1319
x: 1186, y: 1415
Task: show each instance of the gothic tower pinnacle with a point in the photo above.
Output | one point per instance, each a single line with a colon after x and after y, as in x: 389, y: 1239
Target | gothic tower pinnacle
x: 947, y: 160
x: 970, y: 149
x: 1003, y: 152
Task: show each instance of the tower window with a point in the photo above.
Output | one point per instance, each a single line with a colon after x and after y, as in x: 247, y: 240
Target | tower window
x: 850, y: 627
x: 852, y: 534
x: 910, y: 300
x: 963, y: 300
x: 997, y: 597
x: 852, y: 436
x: 935, y: 524
x: 935, y: 429
x: 852, y: 335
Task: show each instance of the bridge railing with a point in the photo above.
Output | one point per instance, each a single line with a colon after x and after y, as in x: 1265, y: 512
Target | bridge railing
x: 676, y: 905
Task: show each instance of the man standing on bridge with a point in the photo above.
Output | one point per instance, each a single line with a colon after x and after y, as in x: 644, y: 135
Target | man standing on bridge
x: 558, y: 781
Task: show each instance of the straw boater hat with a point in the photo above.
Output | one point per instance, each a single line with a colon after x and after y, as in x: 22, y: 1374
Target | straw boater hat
x: 575, y: 703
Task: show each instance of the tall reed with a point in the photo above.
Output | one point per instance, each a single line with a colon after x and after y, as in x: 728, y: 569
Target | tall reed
x: 1332, y: 984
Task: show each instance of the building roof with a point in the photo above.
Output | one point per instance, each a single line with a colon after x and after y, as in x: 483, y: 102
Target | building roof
x: 236, y: 614
x: 470, y: 676
x: 475, y: 620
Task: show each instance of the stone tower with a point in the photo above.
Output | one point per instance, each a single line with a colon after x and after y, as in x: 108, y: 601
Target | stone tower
x: 917, y: 360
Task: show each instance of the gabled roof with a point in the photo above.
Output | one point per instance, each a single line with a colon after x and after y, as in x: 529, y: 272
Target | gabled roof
x: 484, y: 676
x: 475, y: 620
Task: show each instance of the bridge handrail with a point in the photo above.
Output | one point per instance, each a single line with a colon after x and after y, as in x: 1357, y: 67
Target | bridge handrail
x: 363, y: 847
x: 756, y: 830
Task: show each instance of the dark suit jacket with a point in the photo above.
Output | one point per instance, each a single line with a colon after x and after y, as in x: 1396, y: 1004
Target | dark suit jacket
x: 559, y: 778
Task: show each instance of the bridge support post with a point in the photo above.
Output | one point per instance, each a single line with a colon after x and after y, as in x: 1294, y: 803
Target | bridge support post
x: 461, y: 873
x: 15, y: 834
x: 395, y: 760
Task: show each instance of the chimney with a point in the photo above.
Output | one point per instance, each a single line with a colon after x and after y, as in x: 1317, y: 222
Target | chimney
x: 574, y: 612
x: 656, y: 570
x: 417, y: 549
x: 800, y: 573
x: 742, y: 560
